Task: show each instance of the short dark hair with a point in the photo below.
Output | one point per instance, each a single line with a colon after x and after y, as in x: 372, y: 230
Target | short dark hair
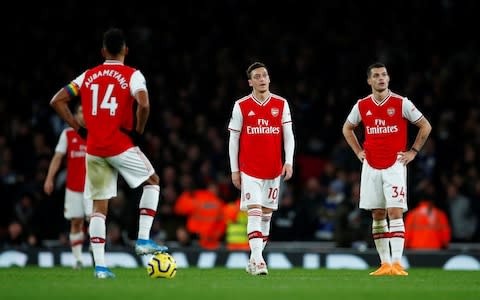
x: 114, y: 40
x: 254, y: 66
x: 374, y: 66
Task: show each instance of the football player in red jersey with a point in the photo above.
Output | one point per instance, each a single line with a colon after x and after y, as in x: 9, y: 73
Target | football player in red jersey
x: 77, y: 208
x: 384, y: 156
x: 260, y: 124
x: 108, y: 93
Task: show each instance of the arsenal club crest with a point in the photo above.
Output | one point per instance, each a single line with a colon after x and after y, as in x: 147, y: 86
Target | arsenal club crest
x: 390, y: 111
x: 274, y: 111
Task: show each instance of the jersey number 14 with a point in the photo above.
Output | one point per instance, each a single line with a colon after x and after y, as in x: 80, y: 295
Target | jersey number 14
x: 108, y: 102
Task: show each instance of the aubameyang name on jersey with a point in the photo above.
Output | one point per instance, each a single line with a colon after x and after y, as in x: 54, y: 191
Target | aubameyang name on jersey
x: 110, y: 73
x: 381, y: 129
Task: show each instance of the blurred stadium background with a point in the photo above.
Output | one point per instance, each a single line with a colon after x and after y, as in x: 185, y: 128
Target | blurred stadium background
x: 194, y: 55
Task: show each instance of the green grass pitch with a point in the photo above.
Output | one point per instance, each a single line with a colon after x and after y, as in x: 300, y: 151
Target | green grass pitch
x: 222, y: 283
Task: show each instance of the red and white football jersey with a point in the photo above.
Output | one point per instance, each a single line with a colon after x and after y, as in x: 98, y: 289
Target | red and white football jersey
x: 74, y: 147
x: 107, y: 100
x: 385, y: 127
x: 261, y: 134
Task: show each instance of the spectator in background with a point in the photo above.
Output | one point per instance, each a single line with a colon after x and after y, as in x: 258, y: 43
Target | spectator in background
x: 352, y: 224
x: 205, y: 215
x: 17, y: 237
x: 25, y: 209
x: 236, y: 237
x: 77, y: 208
x: 427, y: 227
x: 285, y: 221
x: 309, y: 204
x: 328, y: 210
x: 462, y: 215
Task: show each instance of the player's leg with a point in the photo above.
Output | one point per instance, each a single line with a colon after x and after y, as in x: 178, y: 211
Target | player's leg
x: 148, y: 209
x: 251, y: 202
x: 271, y: 193
x: 266, y: 220
x: 372, y: 198
x: 381, y: 236
x: 396, y: 195
x: 76, y: 240
x: 137, y: 170
x: 98, y: 238
x: 73, y: 211
x: 397, y: 240
x: 87, y: 213
x: 100, y: 185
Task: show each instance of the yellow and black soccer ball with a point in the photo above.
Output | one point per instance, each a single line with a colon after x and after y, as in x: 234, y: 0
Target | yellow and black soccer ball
x: 162, y: 265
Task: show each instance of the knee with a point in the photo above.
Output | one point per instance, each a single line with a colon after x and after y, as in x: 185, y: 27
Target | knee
x: 379, y: 214
x: 153, y: 180
x: 76, y: 225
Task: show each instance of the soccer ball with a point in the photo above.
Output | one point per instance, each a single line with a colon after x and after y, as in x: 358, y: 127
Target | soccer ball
x: 162, y: 265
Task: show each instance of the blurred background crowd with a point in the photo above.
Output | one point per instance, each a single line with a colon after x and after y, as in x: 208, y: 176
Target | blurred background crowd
x: 194, y: 55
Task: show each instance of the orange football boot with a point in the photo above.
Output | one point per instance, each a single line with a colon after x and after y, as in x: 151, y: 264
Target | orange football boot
x: 398, y: 270
x: 385, y: 269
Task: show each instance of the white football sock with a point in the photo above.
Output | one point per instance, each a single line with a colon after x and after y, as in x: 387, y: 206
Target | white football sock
x: 148, y: 209
x: 97, y: 231
x: 266, y: 219
x: 76, y: 243
x: 381, y: 238
x: 255, y: 237
x: 397, y: 239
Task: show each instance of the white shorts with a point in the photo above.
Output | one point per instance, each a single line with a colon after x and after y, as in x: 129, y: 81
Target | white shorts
x: 76, y: 206
x: 102, y: 172
x: 264, y: 192
x: 383, y: 188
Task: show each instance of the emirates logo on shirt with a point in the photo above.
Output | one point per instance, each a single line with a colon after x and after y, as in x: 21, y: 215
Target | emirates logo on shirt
x: 381, y: 127
x: 263, y: 128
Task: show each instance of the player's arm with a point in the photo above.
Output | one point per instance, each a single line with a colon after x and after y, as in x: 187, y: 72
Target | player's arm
x: 289, y: 148
x: 143, y: 110
x: 422, y: 135
x: 424, y: 131
x: 60, y: 101
x: 233, y: 147
x: 234, y: 126
x: 138, y: 89
x: 411, y: 113
x: 53, y: 168
x: 348, y: 131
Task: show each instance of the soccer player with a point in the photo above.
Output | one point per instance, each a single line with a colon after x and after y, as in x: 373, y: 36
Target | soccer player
x: 77, y: 209
x: 259, y: 124
x: 384, y: 156
x: 108, y: 94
